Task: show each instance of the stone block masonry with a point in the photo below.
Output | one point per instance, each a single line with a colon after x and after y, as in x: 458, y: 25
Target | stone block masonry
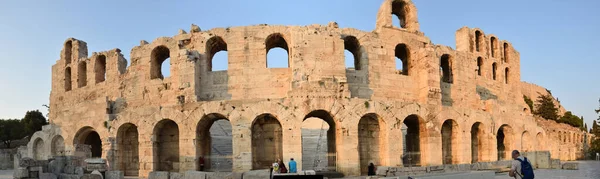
x: 404, y: 102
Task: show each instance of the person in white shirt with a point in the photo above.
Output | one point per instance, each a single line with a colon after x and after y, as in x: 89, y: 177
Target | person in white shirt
x: 515, y: 169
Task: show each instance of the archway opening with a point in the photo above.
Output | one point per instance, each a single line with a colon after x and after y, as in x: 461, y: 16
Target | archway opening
x: 277, y: 48
x: 446, y: 68
x: 506, y: 52
x: 267, y: 141
x: 128, y: 149
x: 325, y: 143
x: 369, y: 141
x: 494, y: 67
x: 314, y: 144
x: 352, y: 53
x: 166, y: 146
x: 214, y: 147
x: 506, y: 77
x: 58, y: 146
x: 68, y: 52
x: 414, y: 134
x: 478, y: 37
x: 477, y: 142
x: 90, y: 137
x: 402, y: 59
x: 160, y: 62
x: 493, y: 46
x: 68, y: 79
x: 216, y: 49
x: 479, y: 65
x: 526, y: 141
x: 539, y: 142
x: 401, y: 11
x: 504, y: 142
x: 450, y: 143
x: 38, y: 149
x: 82, y: 74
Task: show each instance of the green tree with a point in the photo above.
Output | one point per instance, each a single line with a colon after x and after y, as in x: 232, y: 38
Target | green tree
x: 546, y: 108
x: 529, y: 102
x: 585, y: 126
x: 573, y: 120
x: 33, y: 121
x: 11, y: 130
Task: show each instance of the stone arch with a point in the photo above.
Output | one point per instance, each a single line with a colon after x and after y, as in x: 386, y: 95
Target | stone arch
x: 526, y: 141
x: 38, y: 149
x: 504, y: 141
x: 81, y: 74
x: 478, y: 42
x: 214, y: 45
x: 128, y: 149
x: 88, y: 136
x: 402, y: 54
x: 267, y: 141
x: 158, y: 55
x: 276, y: 40
x: 352, y: 45
x: 493, y: 46
x: 446, y: 68
x: 479, y: 66
x: 479, y: 144
x: 450, y: 142
x: 506, y: 52
x: 506, y: 77
x: 57, y: 147
x: 404, y: 10
x: 371, y: 136
x: 214, y: 147
x: 539, y: 138
x: 331, y: 148
x: 165, y: 147
x: 68, y: 79
x: 415, y: 137
x: 100, y: 68
x: 494, y: 69
x: 68, y: 52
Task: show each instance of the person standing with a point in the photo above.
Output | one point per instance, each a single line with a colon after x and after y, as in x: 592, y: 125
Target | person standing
x: 597, y: 156
x: 201, y: 162
x: 292, y: 165
x: 521, y: 167
x: 276, y: 166
x: 371, y: 171
x: 282, y: 168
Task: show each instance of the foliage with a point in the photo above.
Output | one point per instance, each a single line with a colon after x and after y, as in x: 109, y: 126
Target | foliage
x: 595, y: 130
x: 529, y: 102
x: 33, y: 121
x: 14, y: 129
x: 10, y: 130
x: 545, y: 108
x: 571, y: 119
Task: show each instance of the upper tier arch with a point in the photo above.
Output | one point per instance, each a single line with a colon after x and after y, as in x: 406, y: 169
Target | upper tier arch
x: 405, y: 10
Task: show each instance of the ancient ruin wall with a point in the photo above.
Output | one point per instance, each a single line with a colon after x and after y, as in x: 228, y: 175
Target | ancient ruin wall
x: 476, y: 89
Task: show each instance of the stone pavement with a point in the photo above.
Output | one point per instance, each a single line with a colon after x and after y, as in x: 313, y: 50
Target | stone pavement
x: 6, y: 174
x: 587, y: 170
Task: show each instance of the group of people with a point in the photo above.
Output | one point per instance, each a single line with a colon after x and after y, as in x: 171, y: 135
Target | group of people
x: 279, y: 166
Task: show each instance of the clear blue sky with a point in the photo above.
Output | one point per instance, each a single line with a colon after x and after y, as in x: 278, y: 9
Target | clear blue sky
x: 558, y: 40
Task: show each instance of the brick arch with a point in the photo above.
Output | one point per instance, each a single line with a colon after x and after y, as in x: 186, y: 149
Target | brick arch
x: 89, y: 136
x: 57, y: 147
x: 267, y: 140
x: 405, y: 10
x: 450, y: 132
x: 416, y: 140
x: 128, y: 153
x: 206, y: 152
x: 372, y: 135
x: 504, y: 141
x: 38, y: 149
x: 165, y: 145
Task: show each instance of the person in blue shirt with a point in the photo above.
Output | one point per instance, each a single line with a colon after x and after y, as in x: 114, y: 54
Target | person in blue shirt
x: 292, y: 165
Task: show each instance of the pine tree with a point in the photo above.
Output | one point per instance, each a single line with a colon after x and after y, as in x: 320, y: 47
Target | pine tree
x: 546, y: 108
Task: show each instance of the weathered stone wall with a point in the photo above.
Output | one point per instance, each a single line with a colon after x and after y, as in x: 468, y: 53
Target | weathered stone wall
x: 266, y: 107
x: 7, y: 158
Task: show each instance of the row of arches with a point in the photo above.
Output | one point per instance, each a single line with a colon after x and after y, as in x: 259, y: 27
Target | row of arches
x: 82, y: 68
x: 217, y: 57
x: 494, y: 46
x: 57, y: 147
x: 568, y: 137
x: 319, y: 148
x: 480, y: 70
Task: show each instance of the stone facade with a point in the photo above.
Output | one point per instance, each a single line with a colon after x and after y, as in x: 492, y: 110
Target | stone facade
x: 444, y: 106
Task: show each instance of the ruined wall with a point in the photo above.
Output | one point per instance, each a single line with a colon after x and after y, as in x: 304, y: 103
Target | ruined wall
x: 266, y: 107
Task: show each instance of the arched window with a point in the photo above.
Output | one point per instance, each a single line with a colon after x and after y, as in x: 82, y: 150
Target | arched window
x: 216, y: 50
x: 100, y: 68
x: 400, y: 10
x: 506, y: 77
x: 352, y: 52
x: 81, y: 74
x: 402, y: 58
x: 479, y: 65
x: 506, y: 52
x: 68, y: 52
x: 478, y: 37
x: 446, y: 68
x: 494, y: 66
x: 277, y: 48
x: 158, y: 56
x: 68, y: 79
x: 493, y: 42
